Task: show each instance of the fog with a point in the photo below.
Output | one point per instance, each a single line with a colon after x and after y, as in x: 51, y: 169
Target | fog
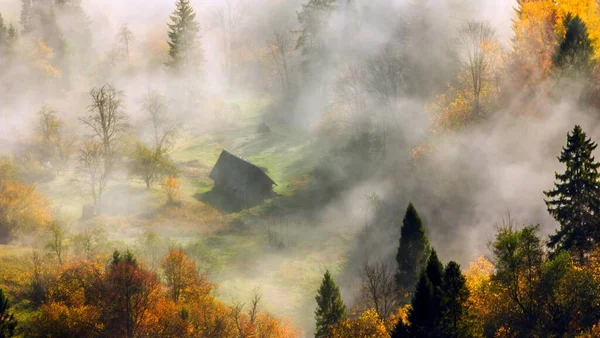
x: 472, y: 178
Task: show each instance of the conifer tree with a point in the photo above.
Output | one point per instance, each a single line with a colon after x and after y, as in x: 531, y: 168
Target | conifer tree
x: 454, y: 297
x: 425, y: 313
x: 3, y: 33
x: 575, y: 53
x: 184, y: 35
x: 26, y: 13
x: 8, y: 323
x: 575, y: 200
x: 413, y: 250
x: 330, y: 306
x: 313, y: 18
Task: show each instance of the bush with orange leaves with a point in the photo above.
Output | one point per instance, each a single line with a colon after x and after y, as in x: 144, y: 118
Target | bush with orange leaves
x: 22, y: 210
x: 171, y: 187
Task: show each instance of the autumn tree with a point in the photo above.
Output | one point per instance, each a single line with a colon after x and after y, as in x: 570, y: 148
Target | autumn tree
x: 182, y: 275
x: 575, y: 52
x: 22, y: 210
x: 575, y: 200
x: 131, y: 295
x: 8, y: 323
x: 56, y: 143
x: 330, y: 307
x: 367, y: 324
x: 476, y: 39
x: 534, y: 43
x: 412, y: 252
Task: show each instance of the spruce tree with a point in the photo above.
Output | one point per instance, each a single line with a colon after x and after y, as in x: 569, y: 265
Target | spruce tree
x: 575, y: 52
x: 26, y: 13
x: 454, y: 297
x: 412, y: 252
x: 425, y: 313
x: 8, y: 323
x: 330, y: 306
x: 575, y: 200
x: 184, y: 36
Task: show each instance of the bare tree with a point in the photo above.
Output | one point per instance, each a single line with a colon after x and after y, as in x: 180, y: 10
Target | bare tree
x: 379, y: 288
x: 386, y: 79
x: 97, y: 158
x: 93, y: 169
x: 162, y: 127
x: 106, y: 117
x: 281, y: 49
x: 229, y: 19
x: 351, y: 90
x: 475, y: 39
x: 88, y: 241
x: 125, y: 37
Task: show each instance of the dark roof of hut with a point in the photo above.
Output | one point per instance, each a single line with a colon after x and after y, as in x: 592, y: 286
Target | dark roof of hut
x: 236, y: 168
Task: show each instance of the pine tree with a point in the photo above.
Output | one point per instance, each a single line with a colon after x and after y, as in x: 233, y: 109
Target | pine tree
x: 454, y: 297
x: 413, y: 250
x: 26, y: 12
x: 575, y: 200
x: 330, y: 306
x: 312, y: 19
x: 575, y: 53
x: 8, y: 323
x: 424, y: 315
x: 184, y: 36
x: 3, y: 33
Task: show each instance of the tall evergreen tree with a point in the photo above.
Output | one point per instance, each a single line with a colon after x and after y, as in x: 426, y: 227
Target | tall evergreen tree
x: 425, y: 313
x: 575, y: 52
x: 454, y: 297
x: 26, y: 13
x: 313, y: 18
x: 184, y: 38
x: 575, y: 200
x: 3, y: 33
x: 413, y: 250
x: 330, y: 306
x: 8, y: 323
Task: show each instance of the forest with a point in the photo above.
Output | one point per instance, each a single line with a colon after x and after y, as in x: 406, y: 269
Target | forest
x: 299, y: 168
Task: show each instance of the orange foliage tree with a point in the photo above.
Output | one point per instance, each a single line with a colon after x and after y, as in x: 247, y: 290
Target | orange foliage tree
x: 22, y: 210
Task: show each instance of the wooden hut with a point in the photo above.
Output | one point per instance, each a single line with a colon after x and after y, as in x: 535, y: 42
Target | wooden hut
x: 241, y: 179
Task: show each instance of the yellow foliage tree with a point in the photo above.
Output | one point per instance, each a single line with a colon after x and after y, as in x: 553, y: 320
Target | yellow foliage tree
x: 535, y: 42
x: 40, y: 57
x: 366, y: 325
x: 21, y: 209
